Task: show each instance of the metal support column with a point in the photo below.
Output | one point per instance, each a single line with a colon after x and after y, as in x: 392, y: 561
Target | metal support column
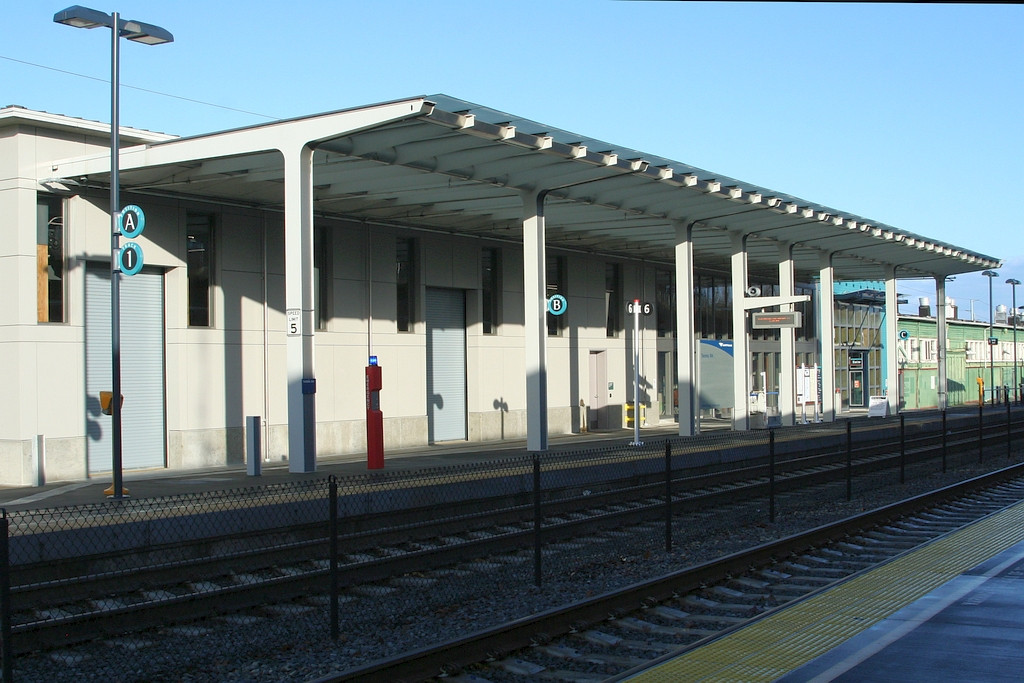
x: 940, y: 319
x: 535, y: 328
x: 826, y: 337
x: 298, y: 248
x: 787, y: 338
x: 740, y: 342
x: 686, y: 351
x: 889, y: 336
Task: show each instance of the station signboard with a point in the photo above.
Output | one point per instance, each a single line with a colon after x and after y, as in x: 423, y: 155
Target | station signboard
x: 776, y: 320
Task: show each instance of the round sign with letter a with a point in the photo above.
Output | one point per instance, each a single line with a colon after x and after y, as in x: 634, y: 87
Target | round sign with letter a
x: 131, y: 221
x: 130, y: 258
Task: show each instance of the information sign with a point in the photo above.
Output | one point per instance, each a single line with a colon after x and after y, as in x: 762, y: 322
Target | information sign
x: 129, y: 259
x: 557, y: 304
x: 294, y: 318
x: 776, y: 320
x: 645, y: 308
x: 131, y: 221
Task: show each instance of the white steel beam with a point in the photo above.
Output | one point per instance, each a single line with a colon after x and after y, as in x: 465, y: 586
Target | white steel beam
x: 298, y: 248
x: 686, y: 343
x: 787, y: 340
x: 535, y: 328
x: 892, y: 392
x: 940, y: 322
x: 827, y: 338
x: 740, y: 342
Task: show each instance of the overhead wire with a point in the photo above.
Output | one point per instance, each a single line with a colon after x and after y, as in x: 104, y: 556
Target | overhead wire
x: 140, y: 89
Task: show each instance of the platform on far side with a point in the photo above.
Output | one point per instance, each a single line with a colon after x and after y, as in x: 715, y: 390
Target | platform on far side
x: 950, y: 610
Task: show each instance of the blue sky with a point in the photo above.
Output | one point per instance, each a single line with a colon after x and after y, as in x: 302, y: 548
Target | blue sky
x: 905, y: 114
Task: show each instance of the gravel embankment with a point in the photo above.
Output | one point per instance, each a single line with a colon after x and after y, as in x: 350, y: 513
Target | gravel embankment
x: 293, y: 642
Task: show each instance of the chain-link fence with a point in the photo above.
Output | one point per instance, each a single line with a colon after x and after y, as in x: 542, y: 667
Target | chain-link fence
x: 333, y: 557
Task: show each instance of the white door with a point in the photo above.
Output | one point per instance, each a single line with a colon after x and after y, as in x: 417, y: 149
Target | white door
x: 596, y: 415
x: 446, y: 364
x: 143, y: 440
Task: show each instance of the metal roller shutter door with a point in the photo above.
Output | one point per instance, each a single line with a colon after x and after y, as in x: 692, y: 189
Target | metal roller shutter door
x: 142, y: 368
x: 446, y: 364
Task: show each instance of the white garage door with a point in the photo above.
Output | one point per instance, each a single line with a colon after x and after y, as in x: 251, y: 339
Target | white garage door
x: 446, y: 364
x: 142, y: 368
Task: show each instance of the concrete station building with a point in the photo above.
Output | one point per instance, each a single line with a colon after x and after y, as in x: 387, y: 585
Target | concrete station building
x: 430, y: 233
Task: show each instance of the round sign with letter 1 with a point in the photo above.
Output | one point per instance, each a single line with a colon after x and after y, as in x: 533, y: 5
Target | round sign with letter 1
x: 130, y: 258
x: 557, y: 304
x: 131, y: 221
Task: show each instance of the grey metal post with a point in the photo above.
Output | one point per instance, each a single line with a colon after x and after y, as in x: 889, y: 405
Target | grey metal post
x: 990, y: 274
x: 40, y: 460
x: 253, y: 445
x: 84, y: 17
x: 115, y: 271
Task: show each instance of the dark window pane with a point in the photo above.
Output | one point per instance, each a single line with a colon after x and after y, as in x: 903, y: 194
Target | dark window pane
x: 490, y: 288
x: 199, y: 244
x: 404, y: 279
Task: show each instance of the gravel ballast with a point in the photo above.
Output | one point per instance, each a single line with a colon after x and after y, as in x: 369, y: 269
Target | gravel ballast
x: 292, y: 642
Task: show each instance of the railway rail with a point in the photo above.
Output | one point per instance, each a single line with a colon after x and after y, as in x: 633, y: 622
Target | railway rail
x: 60, y: 602
x: 602, y: 638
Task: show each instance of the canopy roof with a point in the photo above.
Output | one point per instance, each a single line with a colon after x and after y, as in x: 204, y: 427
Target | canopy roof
x: 453, y: 166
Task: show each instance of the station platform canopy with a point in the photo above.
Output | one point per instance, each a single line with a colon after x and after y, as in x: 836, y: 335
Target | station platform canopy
x: 448, y: 165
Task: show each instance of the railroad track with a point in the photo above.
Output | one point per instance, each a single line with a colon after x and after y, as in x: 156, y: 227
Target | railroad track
x: 601, y: 638
x: 57, y: 604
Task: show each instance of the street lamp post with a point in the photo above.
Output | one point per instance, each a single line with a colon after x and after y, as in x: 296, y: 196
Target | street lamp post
x: 1013, y: 311
x: 83, y: 17
x: 991, y: 274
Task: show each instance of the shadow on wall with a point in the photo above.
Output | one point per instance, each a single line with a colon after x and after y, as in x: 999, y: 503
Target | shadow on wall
x: 501, y: 405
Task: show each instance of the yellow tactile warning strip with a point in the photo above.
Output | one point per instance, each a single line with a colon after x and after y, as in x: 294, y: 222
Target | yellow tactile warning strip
x: 774, y: 646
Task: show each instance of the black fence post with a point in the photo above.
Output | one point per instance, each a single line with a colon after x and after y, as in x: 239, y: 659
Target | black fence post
x: 536, y: 520
x: 333, y: 524
x: 668, y: 495
x: 771, y: 475
x: 5, y: 598
x: 1008, y: 426
x: 849, y: 460
x: 903, y: 448
x: 981, y: 432
x: 945, y: 444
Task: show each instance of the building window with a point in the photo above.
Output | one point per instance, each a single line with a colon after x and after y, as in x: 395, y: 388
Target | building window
x: 612, y: 299
x: 555, y: 285
x: 807, y: 309
x: 323, y: 262
x: 405, y: 279
x: 199, y: 237
x: 50, y: 259
x: 665, y: 302
x: 490, y: 288
x: 713, y: 306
